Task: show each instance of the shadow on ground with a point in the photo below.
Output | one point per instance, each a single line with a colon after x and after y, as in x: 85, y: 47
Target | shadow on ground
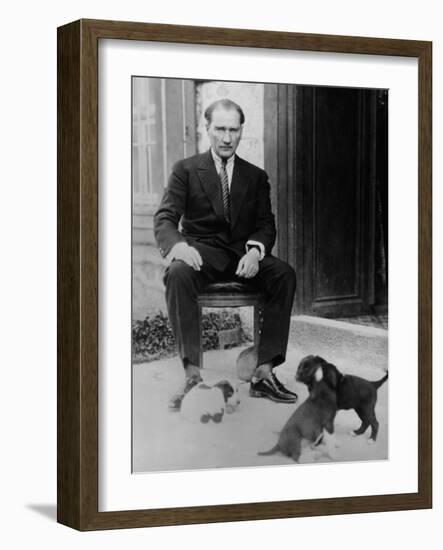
x: 48, y: 511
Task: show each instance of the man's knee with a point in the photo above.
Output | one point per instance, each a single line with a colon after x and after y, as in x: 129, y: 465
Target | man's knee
x: 289, y: 274
x: 284, y: 272
x: 179, y: 273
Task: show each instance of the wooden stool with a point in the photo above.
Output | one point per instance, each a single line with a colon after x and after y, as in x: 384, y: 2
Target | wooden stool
x: 229, y: 294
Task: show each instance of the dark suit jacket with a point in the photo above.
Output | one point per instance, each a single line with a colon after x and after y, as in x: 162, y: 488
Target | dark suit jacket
x: 194, y: 197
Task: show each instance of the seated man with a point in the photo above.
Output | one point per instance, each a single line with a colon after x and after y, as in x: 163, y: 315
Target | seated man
x: 227, y: 232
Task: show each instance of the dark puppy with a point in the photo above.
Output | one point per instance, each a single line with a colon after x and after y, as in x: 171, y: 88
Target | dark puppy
x: 309, y: 421
x: 353, y: 392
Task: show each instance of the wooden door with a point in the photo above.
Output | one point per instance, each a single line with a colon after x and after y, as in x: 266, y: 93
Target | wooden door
x: 335, y: 199
x: 327, y: 221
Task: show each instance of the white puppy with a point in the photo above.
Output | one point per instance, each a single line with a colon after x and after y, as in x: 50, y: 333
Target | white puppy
x: 204, y: 403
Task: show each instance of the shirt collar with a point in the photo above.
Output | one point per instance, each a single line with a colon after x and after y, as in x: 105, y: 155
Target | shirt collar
x: 218, y: 160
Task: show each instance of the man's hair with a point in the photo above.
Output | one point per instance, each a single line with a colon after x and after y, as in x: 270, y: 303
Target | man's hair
x: 225, y: 104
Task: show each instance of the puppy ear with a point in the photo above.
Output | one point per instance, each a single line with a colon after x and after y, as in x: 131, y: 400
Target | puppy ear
x: 319, y: 374
x: 226, y: 388
x: 332, y: 376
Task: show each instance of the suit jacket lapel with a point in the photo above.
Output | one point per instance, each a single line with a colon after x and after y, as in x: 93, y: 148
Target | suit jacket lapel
x: 239, y: 186
x: 210, y: 182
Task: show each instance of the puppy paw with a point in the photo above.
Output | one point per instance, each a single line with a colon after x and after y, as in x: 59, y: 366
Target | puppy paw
x: 230, y: 408
x: 370, y: 441
x: 352, y: 433
x: 218, y: 417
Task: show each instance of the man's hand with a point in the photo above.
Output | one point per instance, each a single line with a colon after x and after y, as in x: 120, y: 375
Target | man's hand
x: 248, y: 265
x: 188, y: 254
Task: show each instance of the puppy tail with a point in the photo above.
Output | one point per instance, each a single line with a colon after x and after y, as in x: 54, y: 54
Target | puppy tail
x: 272, y: 451
x: 378, y: 383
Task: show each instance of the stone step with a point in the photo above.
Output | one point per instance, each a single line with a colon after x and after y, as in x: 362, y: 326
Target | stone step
x: 335, y: 340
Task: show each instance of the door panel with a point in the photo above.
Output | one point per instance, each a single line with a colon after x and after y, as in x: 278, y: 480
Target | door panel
x: 335, y: 190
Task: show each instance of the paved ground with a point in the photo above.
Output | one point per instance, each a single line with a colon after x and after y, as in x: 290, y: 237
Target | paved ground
x: 163, y: 440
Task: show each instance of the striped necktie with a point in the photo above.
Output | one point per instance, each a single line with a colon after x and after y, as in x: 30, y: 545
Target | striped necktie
x: 225, y: 191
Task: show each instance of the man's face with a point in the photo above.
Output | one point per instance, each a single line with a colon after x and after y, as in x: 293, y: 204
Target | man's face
x: 224, y: 132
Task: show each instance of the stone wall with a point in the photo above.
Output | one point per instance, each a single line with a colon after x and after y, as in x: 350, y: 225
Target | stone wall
x: 147, y: 264
x: 250, y: 98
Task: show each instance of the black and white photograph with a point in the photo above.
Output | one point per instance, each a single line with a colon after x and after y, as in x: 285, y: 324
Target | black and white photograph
x: 259, y: 274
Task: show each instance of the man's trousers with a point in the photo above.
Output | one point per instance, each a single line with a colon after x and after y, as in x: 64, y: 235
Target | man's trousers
x: 275, y: 278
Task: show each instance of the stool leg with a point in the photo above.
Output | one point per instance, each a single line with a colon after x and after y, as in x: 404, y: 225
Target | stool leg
x: 256, y: 324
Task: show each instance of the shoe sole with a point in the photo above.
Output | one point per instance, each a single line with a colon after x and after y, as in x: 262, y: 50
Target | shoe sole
x: 289, y: 393
x: 258, y: 393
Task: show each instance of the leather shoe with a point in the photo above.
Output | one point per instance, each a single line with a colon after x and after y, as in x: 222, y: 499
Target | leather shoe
x: 176, y: 400
x: 281, y: 387
x: 267, y: 387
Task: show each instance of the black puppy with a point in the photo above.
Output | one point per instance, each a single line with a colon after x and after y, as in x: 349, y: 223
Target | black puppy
x: 353, y: 392
x: 309, y: 421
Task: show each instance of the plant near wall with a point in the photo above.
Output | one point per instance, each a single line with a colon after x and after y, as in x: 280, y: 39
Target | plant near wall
x: 152, y: 337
